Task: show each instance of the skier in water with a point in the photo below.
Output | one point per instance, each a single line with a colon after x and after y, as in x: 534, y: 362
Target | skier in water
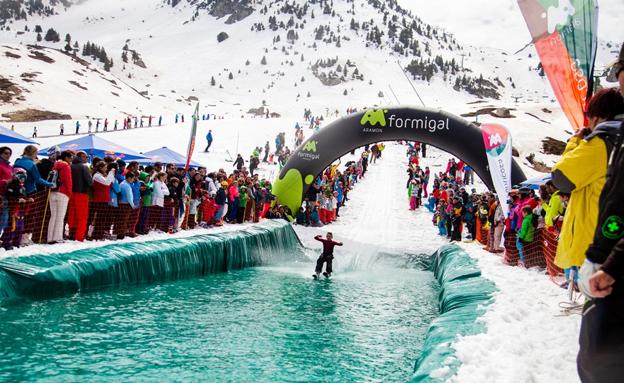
x: 326, y: 256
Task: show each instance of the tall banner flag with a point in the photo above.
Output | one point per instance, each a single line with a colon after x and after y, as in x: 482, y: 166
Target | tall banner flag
x: 565, y: 36
x: 191, y: 144
x: 497, y: 142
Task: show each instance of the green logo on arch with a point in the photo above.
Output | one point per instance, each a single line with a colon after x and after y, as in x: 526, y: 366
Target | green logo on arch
x: 310, y: 147
x: 374, y: 117
x: 613, y: 227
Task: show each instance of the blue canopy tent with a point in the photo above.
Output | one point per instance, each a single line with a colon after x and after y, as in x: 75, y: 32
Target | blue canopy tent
x: 7, y: 136
x: 96, y: 146
x: 165, y: 155
x: 536, y: 182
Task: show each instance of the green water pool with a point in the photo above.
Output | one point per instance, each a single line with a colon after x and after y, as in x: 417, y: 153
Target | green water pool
x: 264, y: 324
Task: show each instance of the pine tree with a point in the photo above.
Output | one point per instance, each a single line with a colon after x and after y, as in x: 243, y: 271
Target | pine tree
x: 38, y: 28
x: 52, y: 36
x: 39, y: 38
x: 263, y: 61
x: 67, y: 38
x: 231, y: 76
x: 212, y: 81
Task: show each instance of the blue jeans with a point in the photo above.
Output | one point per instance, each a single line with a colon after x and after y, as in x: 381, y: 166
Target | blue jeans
x: 442, y: 226
x: 520, y: 247
x: 567, y: 273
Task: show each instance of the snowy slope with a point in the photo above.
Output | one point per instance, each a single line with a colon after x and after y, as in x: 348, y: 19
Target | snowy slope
x: 37, y: 72
x: 182, y: 56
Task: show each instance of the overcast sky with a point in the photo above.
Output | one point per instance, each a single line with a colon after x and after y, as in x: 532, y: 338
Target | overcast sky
x: 499, y: 23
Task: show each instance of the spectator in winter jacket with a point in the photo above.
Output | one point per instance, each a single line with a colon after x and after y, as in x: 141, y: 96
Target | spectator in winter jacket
x: 554, y: 208
x: 602, y: 276
x: 208, y: 140
x: 499, y: 225
x: 581, y: 171
x: 59, y: 198
x: 442, y: 217
x: 79, y: 201
x: 525, y: 235
x: 6, y: 175
x: 126, y: 204
x: 27, y: 162
x: 239, y: 162
x: 19, y: 207
x: 103, y: 177
x: 233, y: 200
x: 221, y: 200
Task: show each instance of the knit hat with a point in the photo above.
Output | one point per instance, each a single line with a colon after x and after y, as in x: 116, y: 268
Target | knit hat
x: 224, y: 184
x: 54, y: 151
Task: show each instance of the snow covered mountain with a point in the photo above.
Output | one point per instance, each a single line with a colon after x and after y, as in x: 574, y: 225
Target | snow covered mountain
x: 94, y: 58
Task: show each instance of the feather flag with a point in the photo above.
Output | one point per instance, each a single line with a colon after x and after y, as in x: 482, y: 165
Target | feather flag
x: 191, y: 144
x: 565, y: 35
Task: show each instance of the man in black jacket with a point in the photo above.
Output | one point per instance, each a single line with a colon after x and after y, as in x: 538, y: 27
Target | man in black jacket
x: 79, y: 201
x: 602, y: 276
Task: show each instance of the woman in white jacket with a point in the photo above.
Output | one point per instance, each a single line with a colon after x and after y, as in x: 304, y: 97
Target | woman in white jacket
x: 160, y: 190
x: 158, y: 198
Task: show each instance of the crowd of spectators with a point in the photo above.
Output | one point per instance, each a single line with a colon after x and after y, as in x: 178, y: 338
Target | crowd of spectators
x: 68, y: 196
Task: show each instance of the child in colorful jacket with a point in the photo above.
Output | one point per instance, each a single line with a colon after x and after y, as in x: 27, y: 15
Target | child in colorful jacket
x: 525, y: 235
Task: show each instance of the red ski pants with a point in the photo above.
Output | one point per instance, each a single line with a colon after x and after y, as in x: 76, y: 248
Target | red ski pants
x: 77, y: 215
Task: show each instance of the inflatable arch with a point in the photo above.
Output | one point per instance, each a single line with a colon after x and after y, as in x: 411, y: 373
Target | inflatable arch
x: 443, y: 130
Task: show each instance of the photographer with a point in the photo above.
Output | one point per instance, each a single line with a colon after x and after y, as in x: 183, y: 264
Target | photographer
x: 581, y: 171
x: 602, y: 328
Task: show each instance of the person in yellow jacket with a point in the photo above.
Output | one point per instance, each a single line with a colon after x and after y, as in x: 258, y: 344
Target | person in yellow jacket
x: 581, y: 171
x: 554, y: 207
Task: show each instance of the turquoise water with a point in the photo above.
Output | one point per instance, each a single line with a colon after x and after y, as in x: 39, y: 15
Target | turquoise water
x: 264, y: 324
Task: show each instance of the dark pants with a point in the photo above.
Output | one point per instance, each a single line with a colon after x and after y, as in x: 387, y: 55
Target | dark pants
x: 456, y: 234
x: 602, y: 340
x: 208, y: 146
x: 322, y: 259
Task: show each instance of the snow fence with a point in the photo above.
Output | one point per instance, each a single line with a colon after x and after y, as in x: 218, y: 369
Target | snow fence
x: 464, y: 297
x: 41, y: 276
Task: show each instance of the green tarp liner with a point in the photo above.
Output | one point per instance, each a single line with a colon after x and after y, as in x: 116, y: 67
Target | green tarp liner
x: 464, y: 296
x: 39, y: 276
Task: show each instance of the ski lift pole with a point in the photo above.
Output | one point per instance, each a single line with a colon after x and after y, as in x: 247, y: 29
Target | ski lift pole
x: 394, y: 94
x: 237, y: 140
x: 410, y: 82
